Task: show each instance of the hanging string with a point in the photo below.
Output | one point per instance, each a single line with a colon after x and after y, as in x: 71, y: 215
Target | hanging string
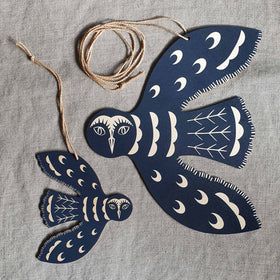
x: 120, y: 76
x: 135, y: 49
x: 59, y: 99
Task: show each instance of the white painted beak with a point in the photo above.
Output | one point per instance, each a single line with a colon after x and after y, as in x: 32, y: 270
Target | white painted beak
x: 119, y: 213
x: 111, y: 141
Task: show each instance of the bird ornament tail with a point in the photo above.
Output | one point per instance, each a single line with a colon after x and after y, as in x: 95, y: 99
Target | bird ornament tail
x: 222, y: 132
x: 58, y: 208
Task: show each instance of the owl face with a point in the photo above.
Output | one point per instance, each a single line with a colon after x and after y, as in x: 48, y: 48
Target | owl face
x: 118, y: 207
x: 110, y: 133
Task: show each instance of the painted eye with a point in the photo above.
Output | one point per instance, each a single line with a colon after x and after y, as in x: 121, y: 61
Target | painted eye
x: 112, y: 206
x: 99, y: 130
x: 123, y: 129
x: 125, y: 206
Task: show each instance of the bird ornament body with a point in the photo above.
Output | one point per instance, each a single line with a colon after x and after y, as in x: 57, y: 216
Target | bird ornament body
x: 160, y: 129
x: 91, y: 208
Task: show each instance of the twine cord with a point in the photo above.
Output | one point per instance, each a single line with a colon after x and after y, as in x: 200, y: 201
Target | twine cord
x: 122, y: 75
x: 135, y: 49
x: 59, y: 99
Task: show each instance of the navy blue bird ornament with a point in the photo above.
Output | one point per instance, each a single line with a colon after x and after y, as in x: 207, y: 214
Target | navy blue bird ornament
x: 91, y: 208
x: 160, y: 129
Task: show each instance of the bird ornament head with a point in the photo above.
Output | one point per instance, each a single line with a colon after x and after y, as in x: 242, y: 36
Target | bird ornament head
x: 110, y: 132
x: 118, y: 207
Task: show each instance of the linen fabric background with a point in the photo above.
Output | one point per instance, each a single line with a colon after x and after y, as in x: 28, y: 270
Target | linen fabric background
x: 149, y: 245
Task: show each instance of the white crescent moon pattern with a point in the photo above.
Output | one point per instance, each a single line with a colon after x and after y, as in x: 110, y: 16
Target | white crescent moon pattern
x: 68, y: 244
x: 82, y: 168
x: 216, y: 36
x: 81, y: 249
x: 182, y: 81
x: 60, y: 258
x: 182, y: 209
x: 81, y: 182
x: 61, y: 158
x: 156, y: 89
x: 202, y: 65
x: 69, y: 172
x: 94, y: 185
x: 93, y: 232
x: 184, y: 182
x: 179, y: 56
x: 157, y: 178
x: 79, y: 235
x: 204, y: 198
x: 220, y: 222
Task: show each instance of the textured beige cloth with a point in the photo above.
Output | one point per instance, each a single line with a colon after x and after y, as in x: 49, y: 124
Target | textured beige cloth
x: 149, y: 245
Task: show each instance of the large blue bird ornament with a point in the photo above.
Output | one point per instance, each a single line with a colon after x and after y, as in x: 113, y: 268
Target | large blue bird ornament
x: 90, y: 208
x: 159, y: 130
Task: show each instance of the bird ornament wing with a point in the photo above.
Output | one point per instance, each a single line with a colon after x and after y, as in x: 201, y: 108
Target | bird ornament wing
x: 210, y: 57
x: 197, y: 200
x: 65, y: 168
x: 70, y: 245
